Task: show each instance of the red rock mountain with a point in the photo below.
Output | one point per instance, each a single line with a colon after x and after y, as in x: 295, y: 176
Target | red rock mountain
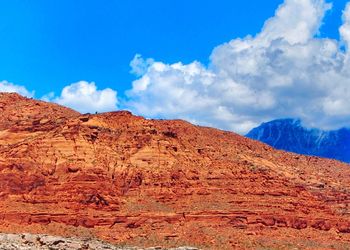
x: 133, y: 181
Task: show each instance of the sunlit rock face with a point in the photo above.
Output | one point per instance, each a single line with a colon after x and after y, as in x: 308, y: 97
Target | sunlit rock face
x: 137, y: 182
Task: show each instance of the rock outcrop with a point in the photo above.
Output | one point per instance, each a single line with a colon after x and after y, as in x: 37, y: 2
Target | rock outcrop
x: 48, y: 242
x: 128, y: 180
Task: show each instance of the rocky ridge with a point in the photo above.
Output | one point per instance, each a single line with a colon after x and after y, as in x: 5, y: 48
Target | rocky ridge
x: 128, y: 180
x: 291, y: 135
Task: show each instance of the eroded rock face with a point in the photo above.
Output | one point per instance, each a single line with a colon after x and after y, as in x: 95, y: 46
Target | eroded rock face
x: 128, y: 180
x: 48, y: 242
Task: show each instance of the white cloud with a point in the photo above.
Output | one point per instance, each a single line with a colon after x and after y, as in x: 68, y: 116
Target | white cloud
x: 295, y: 21
x: 284, y: 71
x: 85, y: 97
x: 81, y: 96
x: 6, y: 86
x: 139, y: 65
x: 345, y: 28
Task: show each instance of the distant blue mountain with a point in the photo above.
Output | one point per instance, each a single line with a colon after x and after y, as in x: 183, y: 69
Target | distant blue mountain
x: 290, y: 135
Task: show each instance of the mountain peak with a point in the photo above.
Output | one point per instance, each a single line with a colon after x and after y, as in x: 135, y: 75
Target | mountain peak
x: 284, y: 121
x: 290, y: 135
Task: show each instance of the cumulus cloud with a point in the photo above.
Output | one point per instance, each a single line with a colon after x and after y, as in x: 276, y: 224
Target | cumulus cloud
x: 6, y: 86
x: 85, y: 97
x: 139, y: 65
x: 81, y: 96
x: 286, y: 70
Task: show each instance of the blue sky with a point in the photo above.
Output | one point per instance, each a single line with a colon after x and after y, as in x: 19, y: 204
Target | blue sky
x: 48, y: 45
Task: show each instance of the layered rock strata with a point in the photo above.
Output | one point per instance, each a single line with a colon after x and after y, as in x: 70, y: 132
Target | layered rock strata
x: 129, y: 180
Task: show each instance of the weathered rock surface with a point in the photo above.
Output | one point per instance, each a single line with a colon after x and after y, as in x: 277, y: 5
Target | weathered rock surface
x: 48, y: 242
x: 128, y: 180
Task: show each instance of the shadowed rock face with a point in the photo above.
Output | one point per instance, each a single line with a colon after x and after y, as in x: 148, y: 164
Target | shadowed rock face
x: 290, y: 135
x: 128, y: 180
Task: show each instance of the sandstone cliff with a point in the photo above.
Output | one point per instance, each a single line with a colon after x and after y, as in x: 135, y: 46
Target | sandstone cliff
x: 129, y: 180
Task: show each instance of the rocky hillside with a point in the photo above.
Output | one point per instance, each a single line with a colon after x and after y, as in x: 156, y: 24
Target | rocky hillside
x: 137, y: 182
x: 290, y: 135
